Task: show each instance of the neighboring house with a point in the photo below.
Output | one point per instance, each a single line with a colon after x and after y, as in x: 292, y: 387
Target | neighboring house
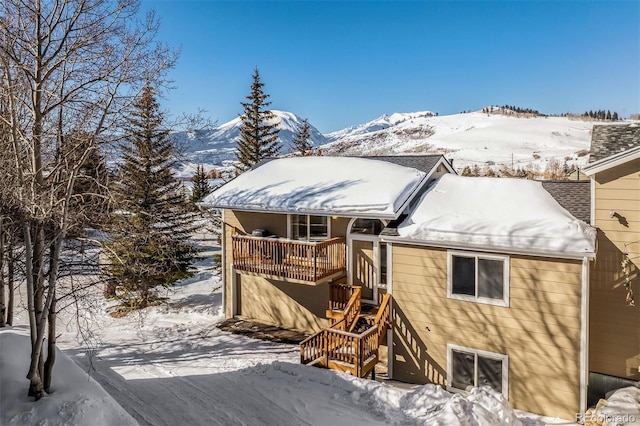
x: 614, y: 338
x: 489, y: 277
x: 578, y: 174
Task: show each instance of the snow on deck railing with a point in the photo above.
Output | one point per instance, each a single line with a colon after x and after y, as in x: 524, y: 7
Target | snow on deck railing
x: 298, y: 260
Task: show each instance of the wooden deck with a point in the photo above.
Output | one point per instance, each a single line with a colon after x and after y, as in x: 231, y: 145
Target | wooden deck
x: 303, y: 261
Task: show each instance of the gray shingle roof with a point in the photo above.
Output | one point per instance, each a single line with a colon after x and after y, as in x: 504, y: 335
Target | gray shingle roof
x: 573, y: 195
x: 610, y: 139
x: 424, y: 163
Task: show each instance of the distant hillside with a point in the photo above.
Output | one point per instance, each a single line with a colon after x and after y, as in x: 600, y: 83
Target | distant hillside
x: 474, y: 138
x: 486, y: 140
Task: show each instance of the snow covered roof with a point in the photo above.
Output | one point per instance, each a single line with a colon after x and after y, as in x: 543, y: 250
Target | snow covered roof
x: 347, y: 186
x: 515, y: 215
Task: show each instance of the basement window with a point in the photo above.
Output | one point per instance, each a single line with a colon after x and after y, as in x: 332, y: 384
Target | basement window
x: 468, y: 368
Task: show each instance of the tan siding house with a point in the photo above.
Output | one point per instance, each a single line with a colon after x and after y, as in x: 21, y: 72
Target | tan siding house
x: 486, y: 293
x: 615, y: 179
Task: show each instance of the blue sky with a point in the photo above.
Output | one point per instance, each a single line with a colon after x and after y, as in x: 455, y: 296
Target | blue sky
x: 341, y: 63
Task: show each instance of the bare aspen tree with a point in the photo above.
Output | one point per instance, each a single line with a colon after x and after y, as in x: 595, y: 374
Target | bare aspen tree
x: 67, y: 68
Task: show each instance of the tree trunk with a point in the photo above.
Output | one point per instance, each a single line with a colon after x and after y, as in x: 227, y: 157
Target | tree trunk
x: 10, y: 282
x: 35, y: 382
x: 3, y: 305
x: 50, y: 306
x: 51, y: 346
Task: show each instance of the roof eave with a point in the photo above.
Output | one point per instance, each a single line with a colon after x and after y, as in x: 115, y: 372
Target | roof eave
x: 491, y: 248
x: 351, y: 214
x: 612, y: 161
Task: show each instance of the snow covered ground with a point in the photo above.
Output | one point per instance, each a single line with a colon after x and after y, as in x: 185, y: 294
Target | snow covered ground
x: 170, y: 365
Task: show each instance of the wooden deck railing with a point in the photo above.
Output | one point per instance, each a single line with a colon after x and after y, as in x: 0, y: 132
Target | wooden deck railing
x: 346, y: 318
x: 342, y: 350
x: 339, y: 295
x: 383, y: 317
x: 312, y: 349
x: 299, y: 260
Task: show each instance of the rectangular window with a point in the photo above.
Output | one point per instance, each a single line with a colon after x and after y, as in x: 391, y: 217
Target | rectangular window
x: 478, y: 277
x: 299, y: 229
x: 382, y: 250
x: 467, y: 367
x: 318, y: 227
x: 307, y: 227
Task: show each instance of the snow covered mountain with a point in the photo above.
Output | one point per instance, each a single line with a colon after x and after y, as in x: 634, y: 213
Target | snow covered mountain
x: 474, y: 138
x: 217, y: 147
x: 381, y: 123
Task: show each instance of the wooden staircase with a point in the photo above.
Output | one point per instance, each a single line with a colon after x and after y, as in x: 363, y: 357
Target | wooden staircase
x: 338, y: 347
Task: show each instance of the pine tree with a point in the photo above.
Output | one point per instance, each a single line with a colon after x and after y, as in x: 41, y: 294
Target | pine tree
x: 301, y: 142
x: 258, y: 138
x: 201, y: 186
x: 615, y: 116
x: 149, y: 235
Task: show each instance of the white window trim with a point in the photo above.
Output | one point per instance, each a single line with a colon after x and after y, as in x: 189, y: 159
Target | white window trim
x: 290, y: 222
x: 479, y: 255
x: 483, y: 354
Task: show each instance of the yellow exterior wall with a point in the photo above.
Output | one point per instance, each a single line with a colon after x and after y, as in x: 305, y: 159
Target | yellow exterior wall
x: 614, y: 335
x: 339, y: 226
x: 246, y: 222
x: 290, y: 305
x: 539, y: 331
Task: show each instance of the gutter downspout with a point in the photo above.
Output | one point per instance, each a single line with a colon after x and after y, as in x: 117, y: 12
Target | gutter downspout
x: 390, y: 330
x: 584, y: 336
x: 223, y: 260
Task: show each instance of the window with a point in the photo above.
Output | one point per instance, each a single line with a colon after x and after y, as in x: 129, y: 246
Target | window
x: 306, y: 227
x: 467, y: 367
x: 478, y: 277
x: 382, y: 252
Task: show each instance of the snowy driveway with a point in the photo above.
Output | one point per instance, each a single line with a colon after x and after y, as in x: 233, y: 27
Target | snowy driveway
x: 198, y: 375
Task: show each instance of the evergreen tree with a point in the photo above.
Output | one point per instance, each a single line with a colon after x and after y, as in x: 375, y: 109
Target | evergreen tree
x: 615, y: 116
x: 258, y: 138
x: 149, y: 244
x: 201, y: 186
x: 301, y: 142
